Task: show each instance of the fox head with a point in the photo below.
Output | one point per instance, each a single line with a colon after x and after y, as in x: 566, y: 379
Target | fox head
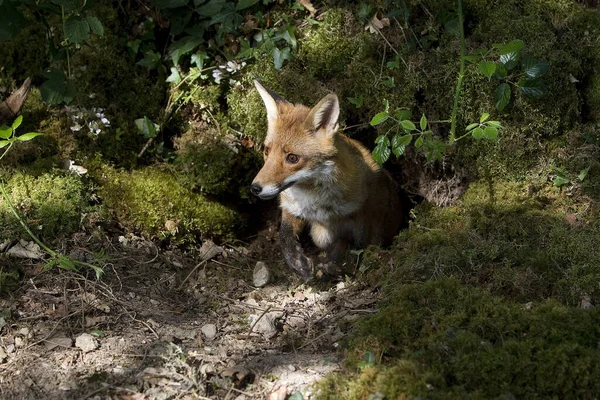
x: 300, y: 143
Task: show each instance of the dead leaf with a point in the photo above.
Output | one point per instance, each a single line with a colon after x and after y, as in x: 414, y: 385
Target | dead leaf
x: 308, y: 5
x: 209, y: 250
x: 25, y: 249
x: 376, y: 24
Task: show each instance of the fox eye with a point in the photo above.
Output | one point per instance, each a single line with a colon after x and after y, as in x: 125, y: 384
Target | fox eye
x: 267, y: 150
x: 292, y: 158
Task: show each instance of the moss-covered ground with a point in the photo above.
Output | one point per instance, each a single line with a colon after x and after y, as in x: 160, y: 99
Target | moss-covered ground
x: 495, y: 296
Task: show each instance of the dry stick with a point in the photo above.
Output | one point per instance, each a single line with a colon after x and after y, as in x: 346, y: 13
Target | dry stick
x: 391, y: 47
x: 256, y: 322
x: 190, y: 274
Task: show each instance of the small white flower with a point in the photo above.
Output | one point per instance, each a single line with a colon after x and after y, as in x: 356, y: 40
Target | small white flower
x: 76, y: 127
x: 217, y: 75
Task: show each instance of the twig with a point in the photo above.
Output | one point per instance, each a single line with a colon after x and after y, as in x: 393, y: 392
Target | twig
x: 190, y: 274
x: 256, y: 322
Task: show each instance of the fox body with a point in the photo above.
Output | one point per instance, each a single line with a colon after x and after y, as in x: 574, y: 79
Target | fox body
x: 326, y: 182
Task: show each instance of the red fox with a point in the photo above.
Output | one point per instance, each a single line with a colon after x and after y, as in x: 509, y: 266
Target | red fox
x: 326, y: 182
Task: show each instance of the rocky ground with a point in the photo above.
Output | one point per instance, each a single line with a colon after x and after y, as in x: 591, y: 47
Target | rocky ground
x: 161, y: 324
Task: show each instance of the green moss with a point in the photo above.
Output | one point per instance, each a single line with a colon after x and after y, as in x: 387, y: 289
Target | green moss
x: 444, y: 340
x: 152, y: 202
x: 52, y: 204
x: 216, y: 167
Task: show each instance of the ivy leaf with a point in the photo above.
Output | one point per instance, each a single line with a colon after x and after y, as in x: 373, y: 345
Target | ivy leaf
x: 198, y: 59
x: 5, y: 131
x: 163, y: 4
x: 151, y: 60
x: 95, y: 25
x: 243, y: 4
x: 583, y: 174
x: 356, y: 101
x: 510, y: 60
x: 490, y: 133
x: 408, y: 125
x: 212, y: 8
x: 484, y: 117
x: 146, y: 127
x: 28, y: 136
x: 502, y: 96
x: 77, y: 30
x: 175, y: 77
x: 511, y: 47
x: 477, y: 133
x: 487, y: 68
x: 379, y: 118
x: 57, y: 88
x: 183, y: 46
x: 279, y: 56
x: 423, y: 122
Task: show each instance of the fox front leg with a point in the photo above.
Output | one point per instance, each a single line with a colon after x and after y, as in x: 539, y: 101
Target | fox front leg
x: 289, y: 232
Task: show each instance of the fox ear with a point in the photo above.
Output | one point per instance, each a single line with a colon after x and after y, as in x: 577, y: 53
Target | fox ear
x: 270, y: 99
x: 325, y: 115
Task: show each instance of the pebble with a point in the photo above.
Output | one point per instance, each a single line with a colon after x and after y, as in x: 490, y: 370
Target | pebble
x: 209, y: 331
x: 86, y: 342
x: 261, y: 275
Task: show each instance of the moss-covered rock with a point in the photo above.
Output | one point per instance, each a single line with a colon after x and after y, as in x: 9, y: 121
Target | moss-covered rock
x: 53, y: 204
x: 152, y: 202
x: 216, y: 165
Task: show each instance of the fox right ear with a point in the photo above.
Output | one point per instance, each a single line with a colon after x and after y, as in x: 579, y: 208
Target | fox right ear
x: 270, y: 99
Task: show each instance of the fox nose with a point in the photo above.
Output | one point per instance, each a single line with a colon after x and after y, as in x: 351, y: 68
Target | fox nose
x: 255, y: 188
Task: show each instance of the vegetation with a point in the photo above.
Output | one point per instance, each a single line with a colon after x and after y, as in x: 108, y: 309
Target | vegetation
x: 492, y: 297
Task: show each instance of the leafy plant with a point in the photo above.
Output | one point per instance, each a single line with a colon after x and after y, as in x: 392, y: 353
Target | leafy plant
x: 8, y: 138
x: 511, y: 69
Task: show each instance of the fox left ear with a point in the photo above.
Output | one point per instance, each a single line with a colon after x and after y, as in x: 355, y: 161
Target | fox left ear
x: 325, y: 116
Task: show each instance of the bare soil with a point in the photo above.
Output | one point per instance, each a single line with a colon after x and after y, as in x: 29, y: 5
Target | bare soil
x: 163, y: 324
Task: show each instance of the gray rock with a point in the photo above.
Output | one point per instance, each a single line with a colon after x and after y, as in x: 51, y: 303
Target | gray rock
x: 209, y: 331
x: 261, y: 275
x: 86, y: 342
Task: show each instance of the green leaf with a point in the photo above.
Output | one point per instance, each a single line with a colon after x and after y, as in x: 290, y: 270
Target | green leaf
x: 484, y: 117
x: 151, y: 60
x: 490, y: 133
x: 198, y: 59
x: 243, y: 4
x: 535, y: 68
x: 423, y: 122
x: 560, y: 180
x: 356, y: 101
x: 17, y: 122
x: 279, y: 56
x: 477, y: 133
x: 28, y: 136
x: 487, y: 68
x: 419, y: 142
x: 163, y: 4
x: 212, y: 8
x: 57, y: 89
x: 472, y: 126
x: 381, y: 152
x: 175, y: 77
x: 583, y: 174
x: 408, y: 125
x: 501, y: 71
x: 5, y: 132
x: 11, y: 21
x: 402, y: 114
x: 183, y: 46
x: 532, y: 88
x: 386, y: 104
x: 379, y: 118
x: 4, y: 143
x: 77, y: 30
x: 510, y: 60
x: 502, y: 96
x: 511, y: 47
x: 146, y: 127
x: 67, y: 264
x: 95, y: 25
x: 399, y: 143
x: 495, y: 124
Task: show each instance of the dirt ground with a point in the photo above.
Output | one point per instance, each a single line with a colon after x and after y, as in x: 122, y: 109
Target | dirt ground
x: 163, y: 324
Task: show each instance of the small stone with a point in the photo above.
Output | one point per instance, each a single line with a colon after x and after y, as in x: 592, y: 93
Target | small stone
x: 265, y: 325
x: 340, y: 286
x: 261, y: 275
x: 3, y: 355
x: 209, y: 250
x: 86, y: 342
x: 19, y: 342
x: 291, y: 368
x: 10, y: 348
x: 209, y: 331
x: 23, y: 332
